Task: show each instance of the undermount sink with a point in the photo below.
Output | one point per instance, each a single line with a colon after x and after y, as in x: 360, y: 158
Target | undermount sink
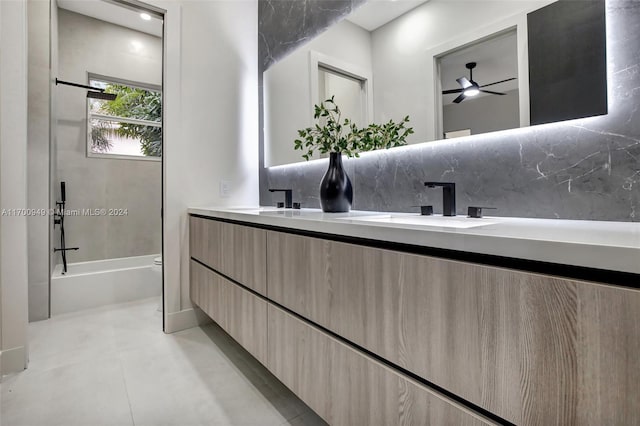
x: 273, y: 211
x: 254, y: 209
x: 461, y: 222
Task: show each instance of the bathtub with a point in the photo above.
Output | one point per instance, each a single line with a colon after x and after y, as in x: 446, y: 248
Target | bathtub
x: 103, y: 282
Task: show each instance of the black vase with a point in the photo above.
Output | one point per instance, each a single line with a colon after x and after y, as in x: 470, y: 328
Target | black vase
x: 336, y: 193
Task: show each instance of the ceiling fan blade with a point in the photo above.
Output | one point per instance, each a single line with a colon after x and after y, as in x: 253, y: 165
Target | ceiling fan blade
x: 464, y: 82
x: 459, y: 99
x: 498, y: 82
x: 493, y: 93
x: 448, y: 92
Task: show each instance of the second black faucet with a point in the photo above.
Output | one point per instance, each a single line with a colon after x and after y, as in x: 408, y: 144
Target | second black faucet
x: 288, y: 197
x: 448, y: 196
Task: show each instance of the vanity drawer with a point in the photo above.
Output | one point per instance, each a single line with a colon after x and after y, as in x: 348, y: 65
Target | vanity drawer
x: 238, y: 312
x: 530, y: 348
x: 346, y: 387
x: 234, y: 250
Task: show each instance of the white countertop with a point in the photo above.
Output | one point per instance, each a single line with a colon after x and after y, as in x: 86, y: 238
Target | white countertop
x: 604, y: 245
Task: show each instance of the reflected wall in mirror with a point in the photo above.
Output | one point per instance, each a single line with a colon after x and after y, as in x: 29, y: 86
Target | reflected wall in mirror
x: 480, y: 87
x: 398, y: 57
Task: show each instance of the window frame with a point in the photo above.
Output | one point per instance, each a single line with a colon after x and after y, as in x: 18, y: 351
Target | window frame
x: 104, y: 117
x: 319, y: 60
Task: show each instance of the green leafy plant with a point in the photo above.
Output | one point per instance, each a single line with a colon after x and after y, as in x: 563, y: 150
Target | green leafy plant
x: 333, y: 134
x: 100, y: 141
x: 131, y: 103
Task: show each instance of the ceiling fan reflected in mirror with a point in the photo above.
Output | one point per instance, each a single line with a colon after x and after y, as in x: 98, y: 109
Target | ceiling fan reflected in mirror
x: 470, y: 88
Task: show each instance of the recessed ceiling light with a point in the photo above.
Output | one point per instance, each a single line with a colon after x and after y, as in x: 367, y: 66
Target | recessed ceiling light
x: 145, y: 16
x: 136, y: 46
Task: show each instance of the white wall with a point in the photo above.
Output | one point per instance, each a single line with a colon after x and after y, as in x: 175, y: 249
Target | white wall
x: 288, y: 97
x: 211, y: 126
x: 13, y: 185
x: 53, y: 126
x: 403, y: 54
x: 90, y: 45
x: 38, y: 157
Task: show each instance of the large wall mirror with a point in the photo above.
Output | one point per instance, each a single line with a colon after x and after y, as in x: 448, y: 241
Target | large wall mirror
x: 456, y: 68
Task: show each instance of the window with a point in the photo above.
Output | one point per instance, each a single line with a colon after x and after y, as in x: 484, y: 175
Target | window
x: 128, y: 127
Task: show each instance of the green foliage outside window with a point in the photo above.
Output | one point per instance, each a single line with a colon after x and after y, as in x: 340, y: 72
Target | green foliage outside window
x: 133, y: 103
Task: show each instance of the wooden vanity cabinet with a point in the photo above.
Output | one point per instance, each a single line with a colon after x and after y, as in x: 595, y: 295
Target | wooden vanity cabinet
x: 347, y: 387
x: 234, y: 250
x: 240, y: 313
x: 530, y: 348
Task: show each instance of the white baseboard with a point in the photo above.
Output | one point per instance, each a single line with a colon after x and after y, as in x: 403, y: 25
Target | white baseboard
x: 184, y: 319
x: 12, y: 360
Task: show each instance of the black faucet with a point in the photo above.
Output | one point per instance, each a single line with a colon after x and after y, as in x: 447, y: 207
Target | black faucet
x: 288, y: 197
x: 448, y: 196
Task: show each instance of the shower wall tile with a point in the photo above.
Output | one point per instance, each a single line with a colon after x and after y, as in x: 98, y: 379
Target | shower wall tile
x: 38, y: 158
x: 580, y: 169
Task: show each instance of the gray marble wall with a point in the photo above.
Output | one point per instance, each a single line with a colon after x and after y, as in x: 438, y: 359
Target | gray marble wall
x: 581, y: 169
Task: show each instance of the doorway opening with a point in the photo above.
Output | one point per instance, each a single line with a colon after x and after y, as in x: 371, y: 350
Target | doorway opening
x: 106, y: 157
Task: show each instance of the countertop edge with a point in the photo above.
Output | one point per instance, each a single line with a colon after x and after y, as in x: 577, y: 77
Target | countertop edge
x: 605, y: 257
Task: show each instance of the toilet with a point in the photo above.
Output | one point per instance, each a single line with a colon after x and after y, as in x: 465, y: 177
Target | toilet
x: 157, y: 272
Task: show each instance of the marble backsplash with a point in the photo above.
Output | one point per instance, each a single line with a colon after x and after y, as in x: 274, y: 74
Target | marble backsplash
x: 579, y: 169
x: 284, y: 25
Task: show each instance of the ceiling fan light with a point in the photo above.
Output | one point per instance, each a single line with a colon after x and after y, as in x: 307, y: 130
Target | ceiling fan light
x: 471, y: 91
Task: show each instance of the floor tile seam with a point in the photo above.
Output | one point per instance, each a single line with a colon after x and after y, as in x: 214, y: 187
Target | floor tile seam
x: 126, y: 388
x: 36, y: 371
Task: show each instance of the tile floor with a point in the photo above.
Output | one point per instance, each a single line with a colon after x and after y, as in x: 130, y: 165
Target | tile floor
x: 115, y: 366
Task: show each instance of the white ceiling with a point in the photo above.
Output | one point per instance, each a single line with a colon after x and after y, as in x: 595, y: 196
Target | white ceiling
x: 497, y: 57
x: 375, y: 13
x: 497, y: 60
x: 110, y: 12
